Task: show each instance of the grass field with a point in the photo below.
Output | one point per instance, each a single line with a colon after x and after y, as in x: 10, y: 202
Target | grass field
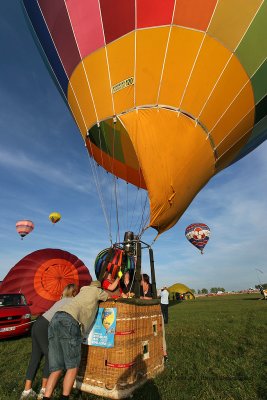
x: 216, y: 346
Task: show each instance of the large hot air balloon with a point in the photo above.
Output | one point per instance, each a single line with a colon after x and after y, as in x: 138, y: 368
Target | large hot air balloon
x: 166, y: 93
x: 198, y: 234
x: 55, y: 217
x: 24, y: 227
x: 42, y: 275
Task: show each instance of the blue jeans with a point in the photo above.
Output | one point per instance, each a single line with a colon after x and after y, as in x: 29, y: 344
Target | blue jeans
x: 65, y: 339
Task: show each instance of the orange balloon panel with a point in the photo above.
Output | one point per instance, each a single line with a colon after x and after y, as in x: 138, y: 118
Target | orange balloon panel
x: 160, y: 135
x: 53, y: 276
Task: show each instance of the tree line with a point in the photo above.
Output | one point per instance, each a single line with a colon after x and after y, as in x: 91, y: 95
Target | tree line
x: 206, y: 291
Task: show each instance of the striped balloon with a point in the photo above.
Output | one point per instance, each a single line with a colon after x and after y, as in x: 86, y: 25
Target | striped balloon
x: 24, y: 227
x: 118, y: 260
x: 153, y: 83
x: 198, y: 234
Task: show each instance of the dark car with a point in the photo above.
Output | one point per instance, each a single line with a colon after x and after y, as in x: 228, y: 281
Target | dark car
x: 15, y: 315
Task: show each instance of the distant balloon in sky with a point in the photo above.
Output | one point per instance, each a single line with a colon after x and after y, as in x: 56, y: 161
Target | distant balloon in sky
x: 198, y: 234
x: 166, y: 93
x: 54, y: 217
x: 24, y: 227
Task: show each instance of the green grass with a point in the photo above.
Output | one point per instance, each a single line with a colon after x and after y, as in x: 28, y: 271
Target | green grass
x: 216, y: 346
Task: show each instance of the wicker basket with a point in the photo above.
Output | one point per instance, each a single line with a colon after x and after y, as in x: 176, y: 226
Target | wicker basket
x: 136, y: 357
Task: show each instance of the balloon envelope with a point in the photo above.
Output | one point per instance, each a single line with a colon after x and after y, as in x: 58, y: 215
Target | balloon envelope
x: 54, y: 217
x: 24, y: 227
x: 42, y: 275
x: 166, y: 93
x: 118, y: 260
x: 198, y: 234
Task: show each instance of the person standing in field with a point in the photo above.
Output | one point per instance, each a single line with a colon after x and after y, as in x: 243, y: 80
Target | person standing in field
x: 65, y: 336
x: 39, y: 335
x: 164, y: 303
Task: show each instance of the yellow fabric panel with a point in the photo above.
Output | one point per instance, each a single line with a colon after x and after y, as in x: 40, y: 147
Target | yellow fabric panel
x: 231, y: 82
x: 182, y: 51
x: 233, y: 137
x: 80, y: 101
x: 175, y: 158
x: 233, y: 116
x: 121, y: 64
x: 97, y: 70
x: 231, y: 154
x: 209, y: 65
x: 231, y: 20
x: 150, y: 52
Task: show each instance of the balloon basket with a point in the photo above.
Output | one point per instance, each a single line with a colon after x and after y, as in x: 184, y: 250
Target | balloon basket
x: 137, y: 354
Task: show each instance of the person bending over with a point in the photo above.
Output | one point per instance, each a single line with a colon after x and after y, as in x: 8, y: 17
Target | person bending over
x: 39, y: 335
x: 65, y: 336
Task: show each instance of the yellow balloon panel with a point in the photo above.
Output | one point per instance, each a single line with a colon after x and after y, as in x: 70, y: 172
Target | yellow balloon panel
x: 91, y: 75
x: 236, y: 134
x: 231, y: 21
x: 160, y: 135
x: 182, y: 50
x: 230, y: 125
x: 97, y: 71
x: 231, y: 82
x: 206, y: 71
x: 121, y: 64
x: 150, y: 52
x: 80, y: 101
x: 230, y: 155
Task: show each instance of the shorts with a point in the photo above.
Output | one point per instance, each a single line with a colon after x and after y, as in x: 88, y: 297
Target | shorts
x: 65, y: 340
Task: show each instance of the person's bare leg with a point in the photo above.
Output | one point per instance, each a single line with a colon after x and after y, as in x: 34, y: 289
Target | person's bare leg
x: 69, y: 380
x: 51, y: 382
x: 28, y: 384
x: 44, y: 382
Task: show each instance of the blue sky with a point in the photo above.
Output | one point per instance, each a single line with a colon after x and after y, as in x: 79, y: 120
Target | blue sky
x: 45, y: 167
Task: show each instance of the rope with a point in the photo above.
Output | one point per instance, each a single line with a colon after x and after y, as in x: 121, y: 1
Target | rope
x: 143, y: 221
x: 115, y: 187
x: 16, y: 326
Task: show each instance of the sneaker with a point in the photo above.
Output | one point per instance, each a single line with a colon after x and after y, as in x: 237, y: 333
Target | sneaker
x: 166, y: 360
x: 28, y: 394
x: 41, y: 394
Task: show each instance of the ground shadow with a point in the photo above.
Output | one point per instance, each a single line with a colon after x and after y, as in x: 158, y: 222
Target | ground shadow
x: 137, y: 374
x: 149, y: 391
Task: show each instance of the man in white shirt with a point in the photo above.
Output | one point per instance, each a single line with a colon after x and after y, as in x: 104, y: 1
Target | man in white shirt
x: 164, y: 303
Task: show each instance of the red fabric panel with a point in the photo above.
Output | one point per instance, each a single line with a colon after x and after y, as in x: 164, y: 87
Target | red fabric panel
x: 118, y: 18
x: 57, y: 20
x: 194, y: 13
x: 52, y: 279
x: 153, y: 13
x: 87, y: 25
